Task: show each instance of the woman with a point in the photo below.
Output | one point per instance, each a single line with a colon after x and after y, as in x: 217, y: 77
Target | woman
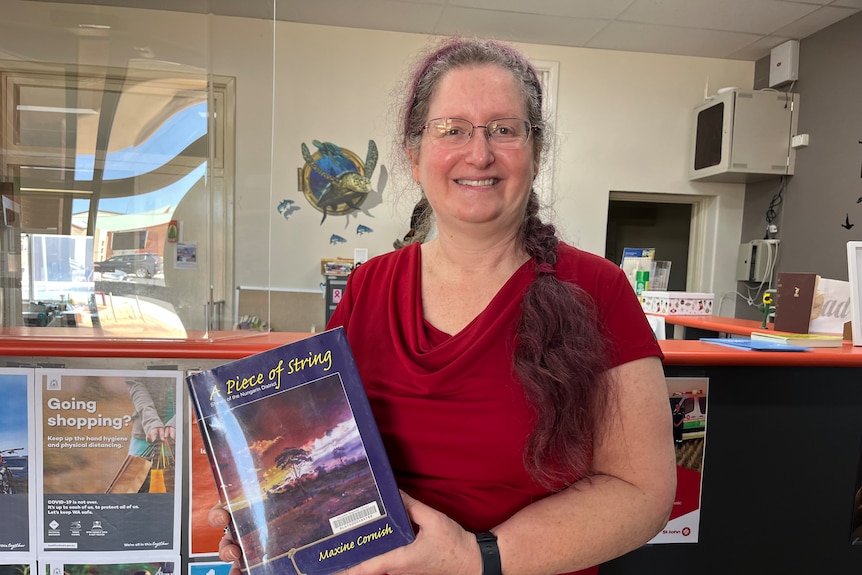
x: 515, y: 380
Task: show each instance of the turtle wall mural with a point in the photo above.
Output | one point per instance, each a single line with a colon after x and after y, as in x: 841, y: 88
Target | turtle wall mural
x: 337, y: 182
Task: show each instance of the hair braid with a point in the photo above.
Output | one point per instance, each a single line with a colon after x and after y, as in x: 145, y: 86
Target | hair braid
x: 560, y: 359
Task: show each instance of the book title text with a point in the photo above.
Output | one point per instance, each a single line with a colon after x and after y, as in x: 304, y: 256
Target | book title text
x: 241, y: 383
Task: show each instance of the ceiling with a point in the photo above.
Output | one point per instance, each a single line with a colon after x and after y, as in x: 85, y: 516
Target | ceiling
x: 728, y: 29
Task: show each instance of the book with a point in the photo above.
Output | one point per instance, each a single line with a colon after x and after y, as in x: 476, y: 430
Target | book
x: 635, y: 260
x: 803, y: 339
x: 794, y: 301
x: 298, y: 459
x: 753, y: 344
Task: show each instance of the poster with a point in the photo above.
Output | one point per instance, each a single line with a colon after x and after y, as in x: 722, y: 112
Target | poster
x: 186, y: 256
x: 203, y: 539
x: 688, y: 399
x: 159, y: 564
x: 109, y: 441
x: 209, y: 568
x: 23, y: 568
x: 17, y: 480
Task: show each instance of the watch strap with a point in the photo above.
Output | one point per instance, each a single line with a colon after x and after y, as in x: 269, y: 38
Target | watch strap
x: 490, y: 553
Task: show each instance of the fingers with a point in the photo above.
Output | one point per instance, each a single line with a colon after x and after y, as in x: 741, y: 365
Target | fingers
x: 218, y: 516
x: 228, y: 551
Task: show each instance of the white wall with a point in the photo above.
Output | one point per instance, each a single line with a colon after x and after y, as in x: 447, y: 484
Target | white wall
x: 623, y: 122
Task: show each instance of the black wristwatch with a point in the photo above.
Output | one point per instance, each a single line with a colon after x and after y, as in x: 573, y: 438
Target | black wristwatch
x: 490, y: 553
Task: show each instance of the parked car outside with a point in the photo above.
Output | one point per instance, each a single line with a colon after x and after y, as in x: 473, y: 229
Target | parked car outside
x: 141, y: 265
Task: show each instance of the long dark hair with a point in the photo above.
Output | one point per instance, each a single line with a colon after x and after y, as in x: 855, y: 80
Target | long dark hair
x: 561, y: 357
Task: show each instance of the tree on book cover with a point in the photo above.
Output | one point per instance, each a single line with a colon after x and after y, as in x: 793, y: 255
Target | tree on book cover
x: 794, y: 300
x: 298, y: 459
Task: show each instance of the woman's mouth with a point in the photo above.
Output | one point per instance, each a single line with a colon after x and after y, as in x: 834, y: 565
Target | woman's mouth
x: 477, y: 183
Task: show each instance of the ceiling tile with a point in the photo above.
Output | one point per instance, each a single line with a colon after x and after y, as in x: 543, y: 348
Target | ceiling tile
x: 601, y: 9
x: 754, y: 16
x: 670, y: 40
x: 392, y: 15
x: 817, y: 20
x: 758, y: 49
x: 518, y: 27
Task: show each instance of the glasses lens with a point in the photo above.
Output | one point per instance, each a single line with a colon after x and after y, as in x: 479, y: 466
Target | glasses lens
x: 450, y: 131
x: 508, y: 131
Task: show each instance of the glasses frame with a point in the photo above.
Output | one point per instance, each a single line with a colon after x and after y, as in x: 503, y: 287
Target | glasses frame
x: 531, y: 129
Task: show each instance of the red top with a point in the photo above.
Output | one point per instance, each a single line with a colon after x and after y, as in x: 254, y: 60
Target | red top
x: 451, y: 412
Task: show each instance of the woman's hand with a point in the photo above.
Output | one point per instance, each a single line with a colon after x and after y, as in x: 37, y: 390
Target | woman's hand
x: 228, y: 551
x: 442, y: 547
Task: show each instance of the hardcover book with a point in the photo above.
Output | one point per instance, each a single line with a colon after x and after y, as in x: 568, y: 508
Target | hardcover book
x: 803, y: 339
x: 794, y: 301
x: 298, y: 459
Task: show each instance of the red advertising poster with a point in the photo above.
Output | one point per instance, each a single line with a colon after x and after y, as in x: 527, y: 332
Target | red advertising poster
x: 687, y: 398
x: 203, y: 539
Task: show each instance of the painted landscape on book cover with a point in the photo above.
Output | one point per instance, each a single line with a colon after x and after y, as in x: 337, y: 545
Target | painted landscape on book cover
x: 296, y: 452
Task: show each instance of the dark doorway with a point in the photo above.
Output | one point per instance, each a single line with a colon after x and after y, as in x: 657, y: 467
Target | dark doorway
x: 665, y: 226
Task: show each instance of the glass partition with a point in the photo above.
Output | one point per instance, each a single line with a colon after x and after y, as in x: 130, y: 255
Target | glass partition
x: 117, y: 169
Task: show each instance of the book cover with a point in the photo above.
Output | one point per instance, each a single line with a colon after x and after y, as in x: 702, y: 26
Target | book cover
x: 794, y: 301
x: 107, y: 476
x: 803, y: 339
x: 298, y: 458
x: 17, y: 477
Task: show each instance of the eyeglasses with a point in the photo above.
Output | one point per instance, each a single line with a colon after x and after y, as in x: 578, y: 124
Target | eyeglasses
x: 503, y: 133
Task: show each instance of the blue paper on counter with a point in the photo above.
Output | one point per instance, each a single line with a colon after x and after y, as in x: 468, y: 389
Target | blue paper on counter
x: 753, y: 345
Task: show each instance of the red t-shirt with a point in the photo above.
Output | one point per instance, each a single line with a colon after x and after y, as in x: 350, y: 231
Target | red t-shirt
x: 453, y: 417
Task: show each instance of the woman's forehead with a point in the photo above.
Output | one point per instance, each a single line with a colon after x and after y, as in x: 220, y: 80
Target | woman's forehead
x: 477, y: 87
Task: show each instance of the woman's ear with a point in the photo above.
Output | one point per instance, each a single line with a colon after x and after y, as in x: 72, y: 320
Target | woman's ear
x: 413, y: 156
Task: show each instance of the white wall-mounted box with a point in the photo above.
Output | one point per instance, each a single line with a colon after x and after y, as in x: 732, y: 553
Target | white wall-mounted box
x: 784, y: 63
x: 743, y: 136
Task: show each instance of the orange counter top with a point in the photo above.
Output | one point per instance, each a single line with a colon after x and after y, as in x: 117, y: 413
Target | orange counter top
x: 68, y: 342
x: 37, y: 342
x: 693, y: 352
x: 717, y: 323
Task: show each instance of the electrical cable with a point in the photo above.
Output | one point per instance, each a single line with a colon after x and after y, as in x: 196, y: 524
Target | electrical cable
x: 775, y: 204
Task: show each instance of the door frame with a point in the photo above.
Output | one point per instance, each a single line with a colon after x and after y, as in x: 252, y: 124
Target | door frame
x: 697, y: 226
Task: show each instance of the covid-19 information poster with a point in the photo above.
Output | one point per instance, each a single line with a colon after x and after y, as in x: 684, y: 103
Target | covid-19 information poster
x: 108, y: 479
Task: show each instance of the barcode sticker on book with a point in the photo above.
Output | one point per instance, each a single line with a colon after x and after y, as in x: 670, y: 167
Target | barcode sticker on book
x: 353, y: 518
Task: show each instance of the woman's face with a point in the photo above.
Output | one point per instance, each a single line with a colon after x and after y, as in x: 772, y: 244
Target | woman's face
x: 478, y: 183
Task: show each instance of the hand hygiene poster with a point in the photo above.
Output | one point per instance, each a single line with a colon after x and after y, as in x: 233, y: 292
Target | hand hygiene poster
x: 110, y: 441
x: 17, y: 479
x: 687, y: 398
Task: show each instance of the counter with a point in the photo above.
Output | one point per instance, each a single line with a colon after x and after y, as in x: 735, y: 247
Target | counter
x: 782, y: 450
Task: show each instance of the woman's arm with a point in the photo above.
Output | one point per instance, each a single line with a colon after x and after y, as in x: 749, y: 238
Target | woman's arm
x: 625, y: 503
